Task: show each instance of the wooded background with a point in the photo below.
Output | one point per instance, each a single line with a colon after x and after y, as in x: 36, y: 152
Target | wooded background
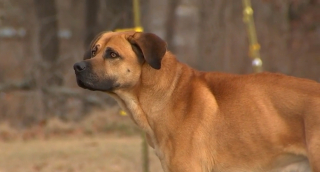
x: 40, y: 40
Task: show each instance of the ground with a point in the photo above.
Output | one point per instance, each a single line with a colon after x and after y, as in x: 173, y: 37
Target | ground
x: 96, y: 153
x: 75, y: 154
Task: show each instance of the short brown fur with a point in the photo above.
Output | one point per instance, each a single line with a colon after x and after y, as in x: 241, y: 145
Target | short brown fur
x: 206, y: 121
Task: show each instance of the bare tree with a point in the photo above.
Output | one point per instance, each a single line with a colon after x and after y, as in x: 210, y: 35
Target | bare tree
x: 114, y: 15
x: 223, y: 42
x: 170, y: 23
x: 48, y: 39
x: 119, y: 14
x: 91, y: 20
x: 49, y: 73
x: 222, y: 36
x: 184, y: 33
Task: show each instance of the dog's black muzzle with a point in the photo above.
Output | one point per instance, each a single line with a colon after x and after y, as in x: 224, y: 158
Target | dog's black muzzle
x: 83, y: 80
x: 80, y: 66
x: 88, y: 79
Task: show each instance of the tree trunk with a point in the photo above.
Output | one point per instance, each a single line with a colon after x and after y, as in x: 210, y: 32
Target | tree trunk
x: 222, y: 36
x: 156, y: 17
x: 186, y: 32
x: 120, y: 14
x: 48, y: 30
x: 223, y: 42
x: 48, y: 71
x: 170, y: 24
x: 272, y: 25
x: 91, y: 23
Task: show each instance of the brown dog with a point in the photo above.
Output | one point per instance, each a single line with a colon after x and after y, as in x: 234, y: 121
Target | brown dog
x: 205, y: 121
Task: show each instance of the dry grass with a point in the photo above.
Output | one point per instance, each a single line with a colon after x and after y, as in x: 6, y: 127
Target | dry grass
x: 111, y: 122
x: 76, y: 154
x: 103, y: 141
x: 97, y: 122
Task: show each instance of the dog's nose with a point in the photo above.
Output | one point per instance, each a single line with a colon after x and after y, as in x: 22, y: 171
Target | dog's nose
x: 80, y: 66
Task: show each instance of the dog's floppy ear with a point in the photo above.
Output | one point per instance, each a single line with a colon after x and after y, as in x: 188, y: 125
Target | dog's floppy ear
x: 152, y: 47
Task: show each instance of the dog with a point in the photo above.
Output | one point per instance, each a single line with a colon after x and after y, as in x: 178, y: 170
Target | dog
x: 205, y: 121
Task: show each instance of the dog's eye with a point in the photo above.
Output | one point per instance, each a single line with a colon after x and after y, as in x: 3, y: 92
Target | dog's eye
x: 113, y: 55
x: 94, y: 51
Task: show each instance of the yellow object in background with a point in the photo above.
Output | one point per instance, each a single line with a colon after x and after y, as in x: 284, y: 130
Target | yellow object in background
x: 123, y: 113
x: 136, y: 18
x: 137, y: 29
x: 254, y: 47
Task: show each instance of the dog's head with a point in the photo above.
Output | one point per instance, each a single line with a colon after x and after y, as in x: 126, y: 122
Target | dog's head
x: 114, y: 60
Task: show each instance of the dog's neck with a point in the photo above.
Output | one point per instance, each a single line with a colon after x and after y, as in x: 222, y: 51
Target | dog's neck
x: 153, y: 87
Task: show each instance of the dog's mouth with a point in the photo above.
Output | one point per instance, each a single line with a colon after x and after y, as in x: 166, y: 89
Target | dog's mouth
x: 97, y: 85
x: 85, y: 85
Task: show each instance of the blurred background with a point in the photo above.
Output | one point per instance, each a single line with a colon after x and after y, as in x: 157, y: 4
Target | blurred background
x: 40, y: 40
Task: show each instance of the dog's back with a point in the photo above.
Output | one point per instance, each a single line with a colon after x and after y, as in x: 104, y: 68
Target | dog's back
x: 273, y: 114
